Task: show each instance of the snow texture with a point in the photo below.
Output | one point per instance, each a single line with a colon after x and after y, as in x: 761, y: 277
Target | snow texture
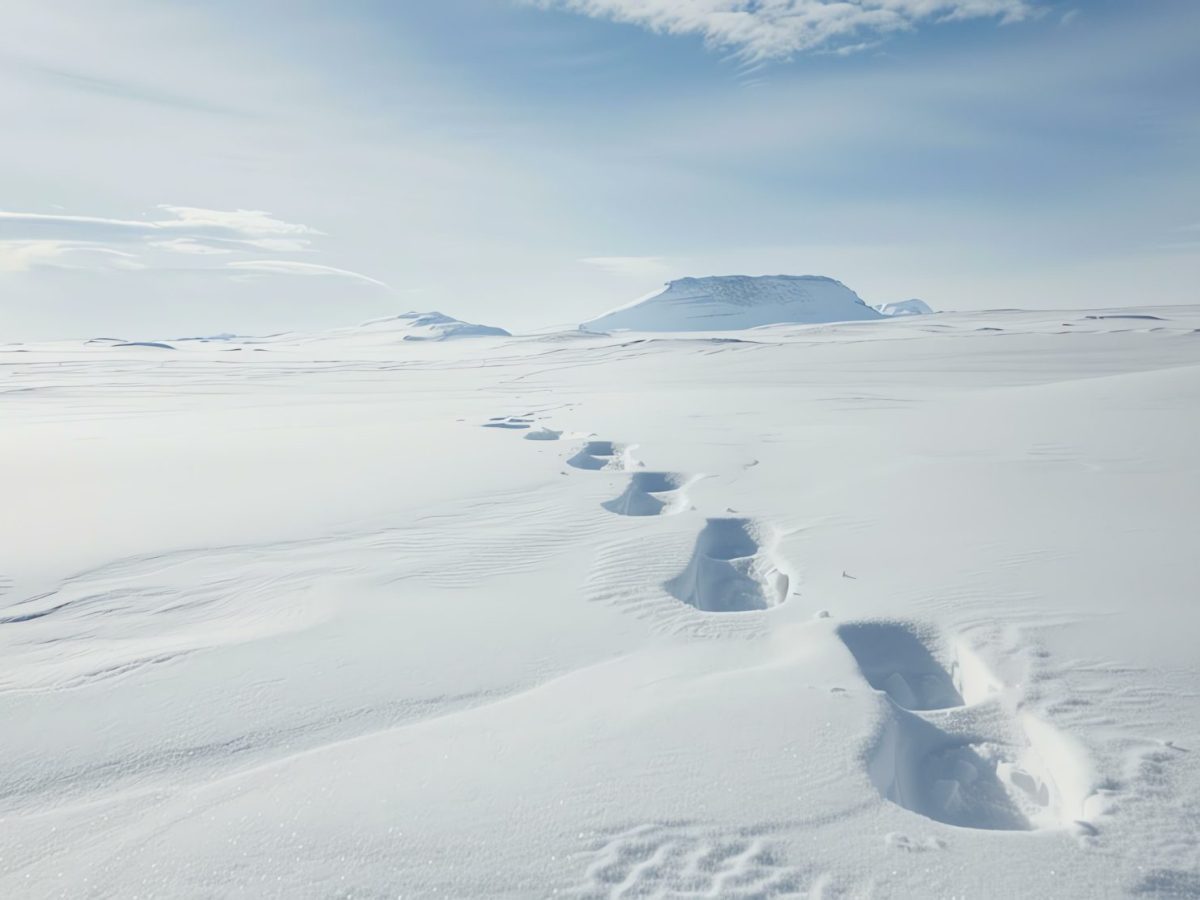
x: 431, y: 326
x: 892, y: 609
x: 912, y: 307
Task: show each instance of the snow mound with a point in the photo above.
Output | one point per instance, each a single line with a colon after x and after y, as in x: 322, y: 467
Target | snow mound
x: 912, y: 307
x: 223, y: 336
x: 432, y: 326
x: 732, y: 302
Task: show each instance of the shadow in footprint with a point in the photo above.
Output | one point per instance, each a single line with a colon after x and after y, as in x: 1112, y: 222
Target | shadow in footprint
x: 921, y: 768
x: 648, y: 494
x: 595, y: 455
x: 515, y: 423
x: 893, y: 657
x: 728, y: 572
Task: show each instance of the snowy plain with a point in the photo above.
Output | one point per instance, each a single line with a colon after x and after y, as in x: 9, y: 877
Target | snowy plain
x: 891, y: 608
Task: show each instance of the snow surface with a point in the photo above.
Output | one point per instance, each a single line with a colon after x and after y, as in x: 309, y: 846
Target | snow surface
x: 431, y: 326
x: 902, y: 608
x: 735, y: 302
x: 912, y: 307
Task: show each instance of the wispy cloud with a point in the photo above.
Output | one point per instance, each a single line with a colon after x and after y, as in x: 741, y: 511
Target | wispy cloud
x: 35, y: 240
x: 23, y: 256
x: 250, y: 228
x: 187, y: 245
x: 773, y: 29
x: 630, y: 266
x: 292, y: 267
x: 110, y: 87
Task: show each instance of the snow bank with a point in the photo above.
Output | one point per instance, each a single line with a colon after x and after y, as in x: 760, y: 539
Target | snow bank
x: 432, y: 326
x: 912, y: 307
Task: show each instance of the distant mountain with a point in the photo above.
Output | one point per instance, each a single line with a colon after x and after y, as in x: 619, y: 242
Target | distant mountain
x: 905, y: 308
x: 430, y: 326
x: 733, y: 302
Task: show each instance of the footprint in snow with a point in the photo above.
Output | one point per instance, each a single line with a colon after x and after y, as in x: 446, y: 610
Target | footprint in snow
x: 650, y: 494
x: 730, y: 571
x: 597, y: 455
x: 516, y: 423
x: 996, y: 769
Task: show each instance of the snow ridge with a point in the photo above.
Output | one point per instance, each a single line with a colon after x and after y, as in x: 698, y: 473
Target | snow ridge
x: 433, y: 326
x: 912, y: 307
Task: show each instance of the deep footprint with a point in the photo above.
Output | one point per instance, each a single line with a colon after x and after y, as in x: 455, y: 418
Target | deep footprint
x: 728, y: 571
x: 988, y: 765
x: 923, y: 769
x: 511, y: 422
x: 597, y: 455
x: 649, y: 494
x: 895, y: 659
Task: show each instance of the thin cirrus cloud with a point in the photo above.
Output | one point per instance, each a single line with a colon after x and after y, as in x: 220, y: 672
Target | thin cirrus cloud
x: 247, y: 227
x: 294, y: 267
x: 187, y: 245
x: 35, y: 240
x: 24, y: 256
x: 759, y: 30
x: 644, y: 267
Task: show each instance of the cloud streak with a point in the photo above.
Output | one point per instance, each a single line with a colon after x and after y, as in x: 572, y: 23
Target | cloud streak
x: 644, y: 267
x: 292, y: 267
x: 31, y: 241
x: 251, y: 228
x: 759, y: 30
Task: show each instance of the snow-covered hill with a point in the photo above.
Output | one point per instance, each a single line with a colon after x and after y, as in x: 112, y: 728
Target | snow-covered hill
x: 431, y: 326
x: 734, y: 302
x: 912, y: 307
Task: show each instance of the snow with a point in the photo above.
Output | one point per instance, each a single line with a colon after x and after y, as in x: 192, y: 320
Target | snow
x: 431, y: 326
x: 156, y: 345
x: 735, y: 302
x: 912, y: 307
x: 890, y: 608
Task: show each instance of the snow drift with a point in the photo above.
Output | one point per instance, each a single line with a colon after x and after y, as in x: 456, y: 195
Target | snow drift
x: 734, y: 302
x: 912, y: 307
x: 432, y: 326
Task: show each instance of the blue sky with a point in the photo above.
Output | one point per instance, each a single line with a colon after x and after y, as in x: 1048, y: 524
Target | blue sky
x: 173, y: 168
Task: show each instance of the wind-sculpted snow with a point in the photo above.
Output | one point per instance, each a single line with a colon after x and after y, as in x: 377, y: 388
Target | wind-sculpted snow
x: 682, y: 861
x: 912, y: 307
x: 431, y: 326
x: 893, y: 608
